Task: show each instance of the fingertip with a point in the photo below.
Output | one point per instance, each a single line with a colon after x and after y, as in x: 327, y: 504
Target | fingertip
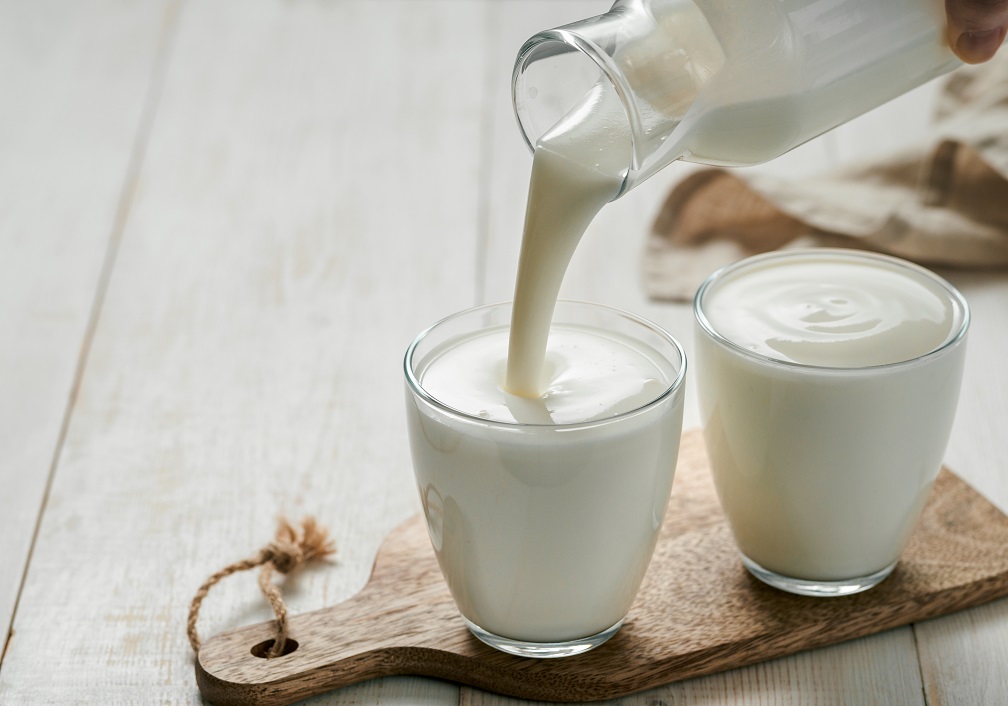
x: 978, y: 47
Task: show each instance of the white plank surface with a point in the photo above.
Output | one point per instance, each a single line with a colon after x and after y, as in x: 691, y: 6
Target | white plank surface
x: 963, y: 656
x: 289, y: 236
x: 320, y: 180
x: 74, y: 79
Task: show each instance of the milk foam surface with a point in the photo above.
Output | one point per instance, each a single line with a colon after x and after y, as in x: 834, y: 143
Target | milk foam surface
x: 832, y: 312
x: 588, y: 374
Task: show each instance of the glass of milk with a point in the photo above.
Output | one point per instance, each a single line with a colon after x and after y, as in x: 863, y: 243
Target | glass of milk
x: 827, y: 383
x: 544, y: 512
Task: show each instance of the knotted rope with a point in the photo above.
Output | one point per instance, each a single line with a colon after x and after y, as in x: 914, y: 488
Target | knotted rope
x: 292, y: 548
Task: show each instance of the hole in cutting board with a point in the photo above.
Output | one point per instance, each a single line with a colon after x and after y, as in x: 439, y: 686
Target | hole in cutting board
x: 263, y: 648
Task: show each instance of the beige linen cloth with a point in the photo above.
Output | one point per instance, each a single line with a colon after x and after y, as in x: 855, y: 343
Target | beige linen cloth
x: 944, y: 203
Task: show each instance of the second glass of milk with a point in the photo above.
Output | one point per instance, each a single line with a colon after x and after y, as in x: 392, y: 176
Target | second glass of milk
x: 827, y: 382
x: 544, y: 512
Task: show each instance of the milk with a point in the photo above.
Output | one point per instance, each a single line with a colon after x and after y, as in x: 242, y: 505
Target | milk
x: 827, y: 383
x: 731, y: 83
x: 784, y: 79
x: 544, y: 512
x: 833, y: 312
x: 577, y: 168
x: 581, y: 163
x: 589, y: 375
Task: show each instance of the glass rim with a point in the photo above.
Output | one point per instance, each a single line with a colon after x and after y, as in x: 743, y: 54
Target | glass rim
x: 955, y: 336
x: 565, y: 37
x: 673, y: 388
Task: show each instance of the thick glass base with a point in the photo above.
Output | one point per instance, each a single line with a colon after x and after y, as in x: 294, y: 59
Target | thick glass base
x: 805, y: 587
x: 543, y: 650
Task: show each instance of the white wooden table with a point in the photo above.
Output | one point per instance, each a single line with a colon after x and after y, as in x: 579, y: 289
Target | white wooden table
x: 221, y: 222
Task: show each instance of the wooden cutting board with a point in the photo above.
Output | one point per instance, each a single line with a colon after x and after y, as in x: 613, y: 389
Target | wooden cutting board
x: 697, y: 612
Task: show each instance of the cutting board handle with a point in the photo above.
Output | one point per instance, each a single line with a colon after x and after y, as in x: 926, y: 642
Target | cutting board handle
x: 385, y: 629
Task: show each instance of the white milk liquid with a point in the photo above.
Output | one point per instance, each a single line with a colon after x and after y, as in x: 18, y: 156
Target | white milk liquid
x: 747, y: 115
x: 580, y: 165
x: 577, y: 169
x: 589, y: 375
x: 831, y: 312
x: 544, y: 532
x: 824, y: 459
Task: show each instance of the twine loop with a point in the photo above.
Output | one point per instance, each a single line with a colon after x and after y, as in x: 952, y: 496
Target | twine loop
x: 291, y: 548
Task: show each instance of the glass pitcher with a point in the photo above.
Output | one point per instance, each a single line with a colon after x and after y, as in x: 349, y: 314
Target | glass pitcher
x: 729, y: 82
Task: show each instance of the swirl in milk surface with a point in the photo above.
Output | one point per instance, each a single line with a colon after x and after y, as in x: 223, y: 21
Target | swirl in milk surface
x: 588, y: 374
x: 831, y: 313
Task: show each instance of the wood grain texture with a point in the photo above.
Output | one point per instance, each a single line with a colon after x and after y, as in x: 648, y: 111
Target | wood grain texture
x: 964, y: 657
x: 698, y: 611
x: 950, y: 677
x: 74, y: 79
x: 286, y: 241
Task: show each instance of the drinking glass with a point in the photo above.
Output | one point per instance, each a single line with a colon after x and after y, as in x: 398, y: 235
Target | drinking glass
x: 823, y: 471
x: 544, y: 531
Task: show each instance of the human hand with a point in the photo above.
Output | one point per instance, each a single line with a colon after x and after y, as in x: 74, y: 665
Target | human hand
x: 976, y: 28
